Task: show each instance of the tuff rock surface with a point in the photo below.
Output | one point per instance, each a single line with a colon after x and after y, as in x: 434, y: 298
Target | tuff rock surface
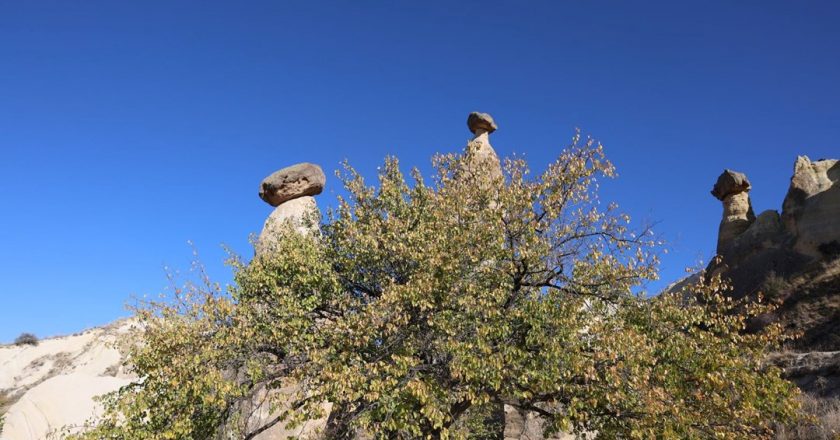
x: 817, y: 372
x: 53, y: 385
x: 811, y: 210
x: 300, y: 213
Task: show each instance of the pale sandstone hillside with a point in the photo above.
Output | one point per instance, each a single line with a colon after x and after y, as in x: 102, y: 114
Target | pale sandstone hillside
x: 52, y: 384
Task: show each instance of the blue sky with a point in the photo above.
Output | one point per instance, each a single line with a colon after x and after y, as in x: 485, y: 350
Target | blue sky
x: 129, y: 128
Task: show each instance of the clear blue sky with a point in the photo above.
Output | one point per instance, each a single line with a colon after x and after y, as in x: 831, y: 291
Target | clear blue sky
x: 129, y: 128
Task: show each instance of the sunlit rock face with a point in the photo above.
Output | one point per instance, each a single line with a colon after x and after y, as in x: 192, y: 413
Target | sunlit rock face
x: 301, y: 214
x: 791, y: 259
x: 811, y: 210
x: 54, y: 385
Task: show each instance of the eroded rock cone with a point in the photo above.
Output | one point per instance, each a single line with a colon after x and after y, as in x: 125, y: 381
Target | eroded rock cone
x: 754, y: 250
x: 300, y: 213
x: 303, y: 179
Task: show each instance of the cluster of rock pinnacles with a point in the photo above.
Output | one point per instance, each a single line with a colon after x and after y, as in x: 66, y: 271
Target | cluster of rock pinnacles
x: 291, y: 190
x: 806, y: 231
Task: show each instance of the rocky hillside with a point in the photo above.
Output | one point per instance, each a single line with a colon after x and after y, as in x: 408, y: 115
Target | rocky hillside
x: 793, y: 259
x: 799, y: 241
x: 52, y: 384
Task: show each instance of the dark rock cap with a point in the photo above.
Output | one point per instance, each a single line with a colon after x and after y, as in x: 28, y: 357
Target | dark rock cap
x: 481, y: 121
x: 303, y: 179
x: 729, y: 183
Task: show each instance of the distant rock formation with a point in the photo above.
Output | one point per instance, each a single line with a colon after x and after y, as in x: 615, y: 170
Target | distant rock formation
x: 805, y: 233
x: 481, y: 159
x: 52, y: 386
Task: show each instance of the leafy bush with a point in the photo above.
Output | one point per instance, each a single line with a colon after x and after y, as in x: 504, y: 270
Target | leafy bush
x: 26, y: 339
x: 419, y: 309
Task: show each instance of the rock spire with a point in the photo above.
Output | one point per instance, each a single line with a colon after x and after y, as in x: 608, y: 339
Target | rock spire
x: 481, y: 157
x: 732, y: 188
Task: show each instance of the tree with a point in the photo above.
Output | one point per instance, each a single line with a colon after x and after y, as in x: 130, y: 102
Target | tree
x: 418, y: 309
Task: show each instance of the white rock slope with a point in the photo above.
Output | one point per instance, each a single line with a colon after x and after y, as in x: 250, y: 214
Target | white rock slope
x: 53, y: 384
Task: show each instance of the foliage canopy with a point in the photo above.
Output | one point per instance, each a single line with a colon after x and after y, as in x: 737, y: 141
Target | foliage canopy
x: 418, y: 308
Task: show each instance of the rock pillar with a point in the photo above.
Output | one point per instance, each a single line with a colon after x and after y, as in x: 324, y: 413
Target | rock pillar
x: 481, y: 157
x: 732, y: 188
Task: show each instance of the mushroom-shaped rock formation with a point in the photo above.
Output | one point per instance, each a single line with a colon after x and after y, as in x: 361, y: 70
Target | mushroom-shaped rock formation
x: 729, y: 183
x: 303, y: 179
x: 478, y: 122
x: 290, y: 191
x: 481, y: 157
x: 732, y: 188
